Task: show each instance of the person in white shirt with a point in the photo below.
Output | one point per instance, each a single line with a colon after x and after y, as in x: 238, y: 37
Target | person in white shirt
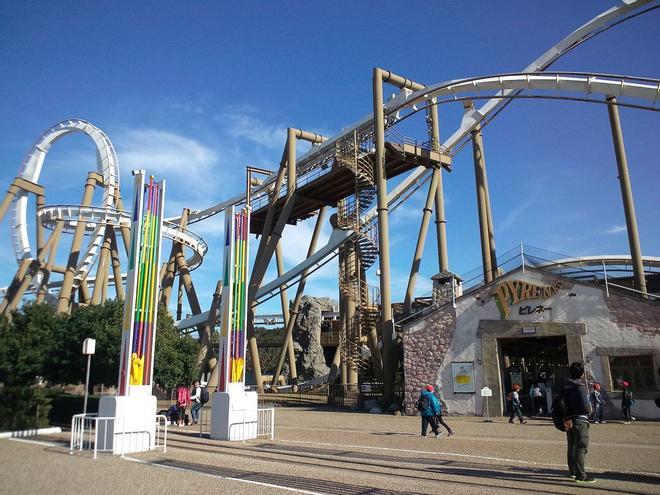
x: 196, y: 399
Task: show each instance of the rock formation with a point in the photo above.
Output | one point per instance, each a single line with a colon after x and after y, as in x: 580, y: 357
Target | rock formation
x: 310, y: 360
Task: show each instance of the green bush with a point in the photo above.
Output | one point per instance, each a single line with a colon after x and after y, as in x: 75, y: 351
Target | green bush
x: 64, y: 406
x: 23, y: 408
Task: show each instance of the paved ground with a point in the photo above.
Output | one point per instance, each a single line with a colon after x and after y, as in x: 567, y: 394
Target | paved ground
x: 328, y: 452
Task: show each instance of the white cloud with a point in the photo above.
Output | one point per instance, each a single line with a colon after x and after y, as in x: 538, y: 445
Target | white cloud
x: 166, y: 153
x: 241, y: 125
x: 616, y: 229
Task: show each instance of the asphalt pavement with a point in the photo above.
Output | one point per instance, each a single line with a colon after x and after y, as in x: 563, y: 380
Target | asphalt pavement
x: 333, y: 452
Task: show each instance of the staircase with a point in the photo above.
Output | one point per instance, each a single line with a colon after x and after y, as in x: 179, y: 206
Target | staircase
x: 355, y: 352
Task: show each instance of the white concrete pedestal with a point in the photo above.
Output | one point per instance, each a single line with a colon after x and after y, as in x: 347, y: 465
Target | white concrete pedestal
x: 234, y: 414
x: 134, y: 426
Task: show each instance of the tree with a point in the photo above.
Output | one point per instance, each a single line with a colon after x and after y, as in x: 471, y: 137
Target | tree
x: 176, y: 354
x: 27, y: 344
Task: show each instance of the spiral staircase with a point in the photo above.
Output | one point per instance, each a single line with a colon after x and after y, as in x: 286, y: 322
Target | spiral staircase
x: 359, y: 257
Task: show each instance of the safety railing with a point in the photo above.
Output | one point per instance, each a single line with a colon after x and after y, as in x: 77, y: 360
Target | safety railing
x: 89, y: 432
x: 244, y: 429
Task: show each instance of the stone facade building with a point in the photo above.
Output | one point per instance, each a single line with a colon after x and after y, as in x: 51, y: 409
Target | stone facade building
x: 525, y: 327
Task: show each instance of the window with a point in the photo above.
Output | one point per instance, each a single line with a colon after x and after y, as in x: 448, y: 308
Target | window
x: 636, y: 370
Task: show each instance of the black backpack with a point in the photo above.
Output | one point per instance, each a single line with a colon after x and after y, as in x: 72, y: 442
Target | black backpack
x: 559, y: 412
x: 204, y: 396
x: 422, y: 403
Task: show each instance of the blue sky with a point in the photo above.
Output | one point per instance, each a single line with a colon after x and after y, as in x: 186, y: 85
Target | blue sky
x: 195, y: 92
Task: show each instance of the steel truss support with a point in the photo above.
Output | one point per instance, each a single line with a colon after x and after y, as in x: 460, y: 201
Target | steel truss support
x: 270, y: 239
x: 626, y: 194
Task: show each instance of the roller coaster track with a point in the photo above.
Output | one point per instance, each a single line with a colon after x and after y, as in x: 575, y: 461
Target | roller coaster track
x: 642, y: 93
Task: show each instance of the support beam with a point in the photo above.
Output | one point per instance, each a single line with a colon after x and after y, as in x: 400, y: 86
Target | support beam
x: 270, y: 240
x: 387, y: 324
x: 626, y: 194
x: 116, y: 267
x: 352, y: 326
x: 64, y: 298
x: 207, y: 358
x: 102, y: 271
x: 167, y: 281
x: 295, y: 306
x: 41, y: 202
x: 440, y: 221
x: 482, y: 200
x: 184, y: 276
x: 279, y: 258
x: 421, y: 239
x: 55, y: 238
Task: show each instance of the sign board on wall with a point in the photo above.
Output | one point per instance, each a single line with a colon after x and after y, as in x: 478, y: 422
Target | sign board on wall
x: 463, y: 377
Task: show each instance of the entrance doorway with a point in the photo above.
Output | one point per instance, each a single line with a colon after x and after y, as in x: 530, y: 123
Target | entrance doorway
x: 525, y: 361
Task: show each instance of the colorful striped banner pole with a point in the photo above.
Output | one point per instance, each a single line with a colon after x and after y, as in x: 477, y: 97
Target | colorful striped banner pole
x: 234, y: 298
x: 141, y: 305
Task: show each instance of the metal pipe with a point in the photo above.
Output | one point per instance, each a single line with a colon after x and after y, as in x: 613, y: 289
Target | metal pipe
x: 383, y: 237
x: 55, y: 239
x: 479, y: 173
x: 285, y: 313
x: 440, y: 220
x: 607, y: 287
x: 41, y: 202
x: 293, y: 314
x: 421, y: 239
x: 116, y: 267
x: 64, y: 298
x: 626, y: 194
x: 352, y: 327
x: 184, y: 276
x: 102, y: 271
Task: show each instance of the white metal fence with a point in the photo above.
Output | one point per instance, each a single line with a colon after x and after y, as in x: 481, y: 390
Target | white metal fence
x: 265, y: 424
x: 89, y: 432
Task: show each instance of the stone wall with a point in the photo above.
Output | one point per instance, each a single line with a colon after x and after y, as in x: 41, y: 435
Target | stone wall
x: 425, y: 347
x: 643, y: 316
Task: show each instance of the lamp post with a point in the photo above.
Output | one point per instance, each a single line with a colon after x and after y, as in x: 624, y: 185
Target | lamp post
x: 89, y: 346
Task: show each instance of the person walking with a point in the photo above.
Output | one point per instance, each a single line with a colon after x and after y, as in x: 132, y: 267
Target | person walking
x: 429, y: 407
x: 515, y: 404
x: 438, y: 417
x: 596, y: 404
x: 576, y: 422
x: 196, y: 399
x: 537, y: 398
x: 626, y: 403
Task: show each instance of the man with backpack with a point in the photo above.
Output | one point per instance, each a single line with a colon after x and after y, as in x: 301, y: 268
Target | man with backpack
x: 574, y: 399
x: 429, y: 407
x: 199, y: 398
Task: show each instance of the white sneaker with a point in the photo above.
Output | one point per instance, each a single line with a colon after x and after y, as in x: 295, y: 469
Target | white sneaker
x: 438, y: 435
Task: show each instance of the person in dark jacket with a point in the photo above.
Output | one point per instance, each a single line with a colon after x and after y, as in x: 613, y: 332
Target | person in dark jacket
x: 576, y: 422
x: 626, y: 402
x: 430, y: 411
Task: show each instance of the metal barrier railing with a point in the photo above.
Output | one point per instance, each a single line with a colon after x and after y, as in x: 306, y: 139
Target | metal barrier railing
x: 265, y: 423
x: 85, y: 429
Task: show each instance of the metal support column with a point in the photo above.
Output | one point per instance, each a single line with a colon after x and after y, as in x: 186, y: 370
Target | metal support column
x: 626, y: 194
x: 116, y: 267
x: 421, y: 238
x: 64, y: 298
x: 102, y: 270
x: 387, y: 325
x: 279, y: 258
x: 440, y: 221
x: 482, y: 199
x: 295, y: 306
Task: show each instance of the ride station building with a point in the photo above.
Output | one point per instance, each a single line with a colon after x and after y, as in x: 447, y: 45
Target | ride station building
x: 525, y: 327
